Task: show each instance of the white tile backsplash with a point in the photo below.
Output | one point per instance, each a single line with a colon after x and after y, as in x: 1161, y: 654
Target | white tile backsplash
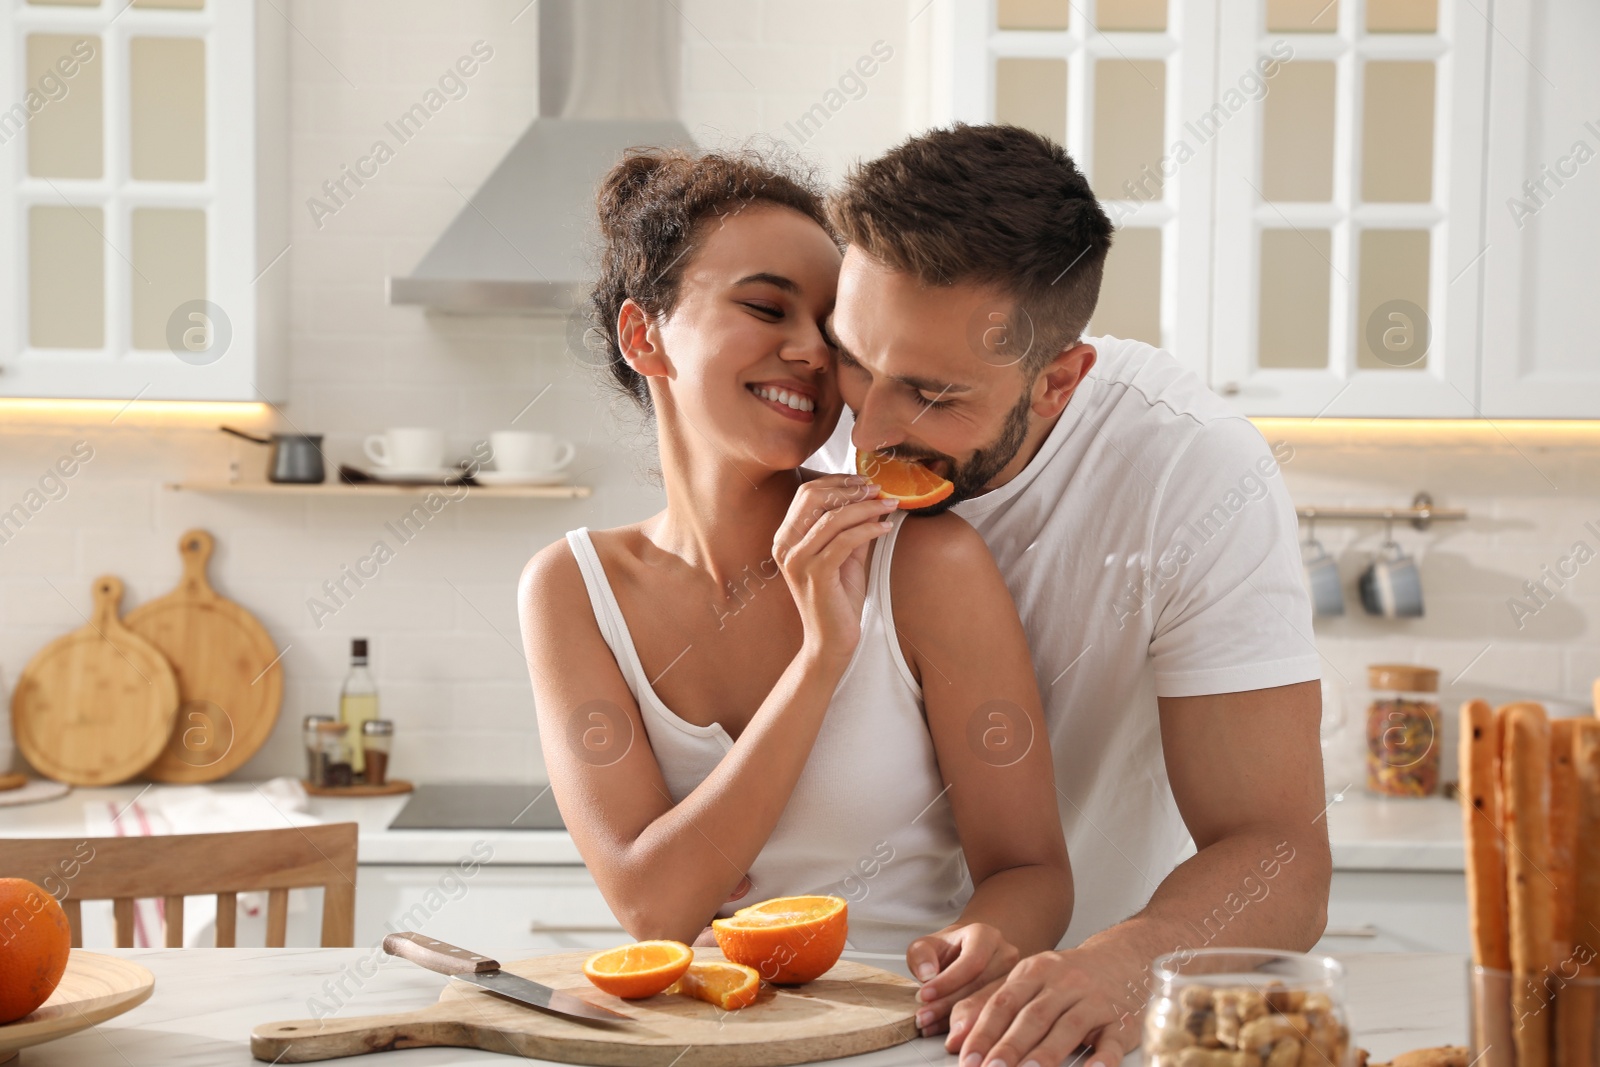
x: 441, y: 615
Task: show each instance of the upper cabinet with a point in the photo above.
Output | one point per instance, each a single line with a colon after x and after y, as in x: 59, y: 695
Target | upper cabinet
x: 1541, y: 271
x: 143, y: 182
x: 1301, y: 188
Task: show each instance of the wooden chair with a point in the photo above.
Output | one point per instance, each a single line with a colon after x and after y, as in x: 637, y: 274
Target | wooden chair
x: 125, y: 869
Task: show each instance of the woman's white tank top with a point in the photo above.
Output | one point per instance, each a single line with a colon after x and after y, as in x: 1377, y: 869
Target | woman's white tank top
x: 868, y: 819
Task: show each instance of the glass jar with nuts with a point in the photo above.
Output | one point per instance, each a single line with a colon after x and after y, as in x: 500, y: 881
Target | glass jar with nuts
x: 1247, y: 1008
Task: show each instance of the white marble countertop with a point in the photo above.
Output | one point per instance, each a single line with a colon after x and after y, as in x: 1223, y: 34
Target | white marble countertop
x: 207, y: 1001
x: 1371, y: 833
x: 1367, y: 833
x: 64, y: 817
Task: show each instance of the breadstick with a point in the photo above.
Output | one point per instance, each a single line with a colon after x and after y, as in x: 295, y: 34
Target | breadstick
x: 1579, y: 1006
x: 1586, y: 913
x: 1527, y: 820
x: 1486, y: 861
x: 1563, y: 833
x: 1563, y: 843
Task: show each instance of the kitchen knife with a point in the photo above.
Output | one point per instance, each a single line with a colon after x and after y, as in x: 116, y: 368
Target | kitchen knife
x: 485, y: 973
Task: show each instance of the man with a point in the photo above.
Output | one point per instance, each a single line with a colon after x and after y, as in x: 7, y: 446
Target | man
x: 1151, y: 549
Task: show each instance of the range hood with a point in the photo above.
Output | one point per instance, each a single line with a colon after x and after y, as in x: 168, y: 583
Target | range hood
x: 523, y: 243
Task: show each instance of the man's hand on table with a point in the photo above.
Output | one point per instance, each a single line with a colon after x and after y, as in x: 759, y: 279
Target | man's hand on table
x: 1050, y: 1004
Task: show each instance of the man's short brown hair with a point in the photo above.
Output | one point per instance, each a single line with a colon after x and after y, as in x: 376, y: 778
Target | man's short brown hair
x: 994, y: 206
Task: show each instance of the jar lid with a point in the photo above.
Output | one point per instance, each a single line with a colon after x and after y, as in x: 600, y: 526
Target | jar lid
x: 311, y: 721
x: 1406, y: 677
x: 331, y: 727
x: 380, y: 727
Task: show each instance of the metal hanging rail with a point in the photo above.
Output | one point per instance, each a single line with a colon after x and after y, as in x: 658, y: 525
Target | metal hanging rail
x: 1421, y: 514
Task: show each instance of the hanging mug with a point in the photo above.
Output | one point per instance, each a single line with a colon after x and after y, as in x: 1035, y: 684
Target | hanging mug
x: 1321, y: 579
x: 1391, y: 586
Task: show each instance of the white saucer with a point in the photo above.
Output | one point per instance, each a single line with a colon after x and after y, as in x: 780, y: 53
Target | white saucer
x: 518, y: 478
x: 397, y: 474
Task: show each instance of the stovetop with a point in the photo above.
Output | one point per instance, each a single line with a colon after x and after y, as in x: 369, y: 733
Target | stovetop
x: 479, y: 806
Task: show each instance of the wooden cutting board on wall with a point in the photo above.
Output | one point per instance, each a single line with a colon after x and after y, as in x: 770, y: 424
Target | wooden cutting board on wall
x: 96, y: 706
x: 230, y: 683
x: 852, y: 1009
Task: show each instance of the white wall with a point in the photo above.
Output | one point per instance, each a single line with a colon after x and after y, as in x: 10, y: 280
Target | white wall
x: 441, y: 615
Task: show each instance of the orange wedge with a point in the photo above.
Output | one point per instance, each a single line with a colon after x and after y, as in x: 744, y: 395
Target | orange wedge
x: 730, y: 986
x: 638, y: 970
x: 787, y: 940
x: 914, y: 485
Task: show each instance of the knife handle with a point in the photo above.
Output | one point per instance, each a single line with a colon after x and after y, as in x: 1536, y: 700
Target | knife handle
x: 436, y: 955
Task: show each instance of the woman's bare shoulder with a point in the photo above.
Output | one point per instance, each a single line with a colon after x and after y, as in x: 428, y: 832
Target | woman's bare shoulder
x: 940, y: 562
x: 552, y: 576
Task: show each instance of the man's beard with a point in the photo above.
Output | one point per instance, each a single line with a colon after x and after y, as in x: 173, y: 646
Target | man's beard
x: 969, y: 478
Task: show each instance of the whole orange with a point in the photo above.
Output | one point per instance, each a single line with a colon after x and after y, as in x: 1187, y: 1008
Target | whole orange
x: 34, y: 943
x: 788, y: 940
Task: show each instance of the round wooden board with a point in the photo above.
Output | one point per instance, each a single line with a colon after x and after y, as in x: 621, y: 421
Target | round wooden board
x: 96, y: 706
x: 94, y: 989
x: 852, y: 1009
x: 230, y: 683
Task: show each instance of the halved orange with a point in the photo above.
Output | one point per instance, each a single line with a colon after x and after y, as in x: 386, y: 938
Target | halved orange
x: 787, y: 940
x: 639, y: 970
x: 914, y: 485
x: 730, y: 986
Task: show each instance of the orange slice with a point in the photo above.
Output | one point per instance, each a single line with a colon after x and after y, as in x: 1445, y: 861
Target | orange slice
x: 730, y: 986
x: 914, y: 485
x: 788, y: 939
x: 638, y: 970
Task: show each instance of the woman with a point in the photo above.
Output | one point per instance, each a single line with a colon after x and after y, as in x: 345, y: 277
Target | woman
x: 754, y: 703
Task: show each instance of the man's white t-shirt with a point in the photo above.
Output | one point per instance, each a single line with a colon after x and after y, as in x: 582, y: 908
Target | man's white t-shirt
x: 1151, y: 549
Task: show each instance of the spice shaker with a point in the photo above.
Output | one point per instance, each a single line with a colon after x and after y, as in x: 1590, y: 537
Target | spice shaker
x: 308, y: 733
x: 1403, y: 730
x: 376, y: 737
x: 333, y: 751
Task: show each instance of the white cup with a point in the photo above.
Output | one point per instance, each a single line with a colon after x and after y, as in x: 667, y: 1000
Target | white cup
x: 527, y: 452
x: 406, y: 449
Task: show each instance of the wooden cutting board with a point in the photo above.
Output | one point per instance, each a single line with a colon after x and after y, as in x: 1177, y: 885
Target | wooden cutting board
x: 852, y: 1009
x: 96, y: 706
x: 230, y: 683
x: 94, y: 988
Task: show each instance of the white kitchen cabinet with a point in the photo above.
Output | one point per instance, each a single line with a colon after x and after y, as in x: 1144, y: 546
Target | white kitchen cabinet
x: 1540, y: 354
x: 494, y: 909
x: 1334, y: 234
x: 143, y: 200
x: 1397, y: 911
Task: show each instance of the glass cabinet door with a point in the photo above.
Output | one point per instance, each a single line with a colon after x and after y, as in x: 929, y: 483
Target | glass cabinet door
x: 128, y: 197
x: 1348, y: 210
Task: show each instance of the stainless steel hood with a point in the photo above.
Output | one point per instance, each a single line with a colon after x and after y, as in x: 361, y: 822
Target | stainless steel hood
x: 523, y: 243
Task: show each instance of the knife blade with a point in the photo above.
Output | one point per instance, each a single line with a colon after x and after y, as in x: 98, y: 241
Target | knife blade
x: 485, y: 973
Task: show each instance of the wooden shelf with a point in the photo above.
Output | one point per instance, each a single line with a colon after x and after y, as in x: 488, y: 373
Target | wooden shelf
x: 547, y: 492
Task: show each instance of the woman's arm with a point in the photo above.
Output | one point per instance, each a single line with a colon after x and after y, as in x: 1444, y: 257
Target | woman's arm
x: 960, y: 631
x: 665, y: 869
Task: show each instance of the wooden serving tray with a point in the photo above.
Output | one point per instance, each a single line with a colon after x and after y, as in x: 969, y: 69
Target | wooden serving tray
x: 852, y: 1009
x: 393, y: 787
x: 94, y: 989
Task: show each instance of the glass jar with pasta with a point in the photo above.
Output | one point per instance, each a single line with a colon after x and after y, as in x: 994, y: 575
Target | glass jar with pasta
x: 1402, y: 730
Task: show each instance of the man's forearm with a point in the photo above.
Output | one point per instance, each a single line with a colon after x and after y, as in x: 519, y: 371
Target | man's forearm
x: 1261, y: 888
